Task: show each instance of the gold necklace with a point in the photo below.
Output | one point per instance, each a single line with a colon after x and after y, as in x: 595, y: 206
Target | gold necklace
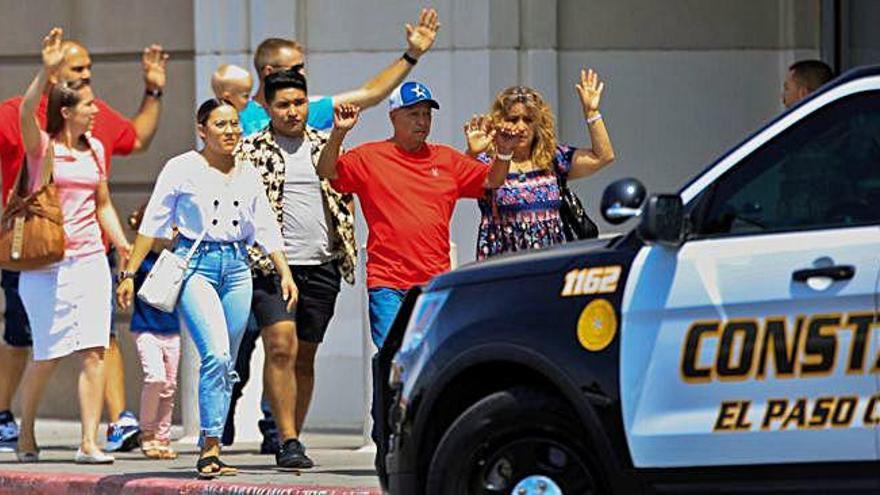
x: 521, y: 167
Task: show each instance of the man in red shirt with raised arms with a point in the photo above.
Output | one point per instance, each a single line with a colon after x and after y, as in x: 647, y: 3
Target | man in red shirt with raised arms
x: 119, y: 136
x: 407, y: 189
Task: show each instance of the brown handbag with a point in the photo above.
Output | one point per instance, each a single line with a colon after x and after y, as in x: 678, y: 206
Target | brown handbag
x: 32, y: 225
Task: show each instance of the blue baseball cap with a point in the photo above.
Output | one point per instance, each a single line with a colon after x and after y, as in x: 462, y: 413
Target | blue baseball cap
x: 410, y: 93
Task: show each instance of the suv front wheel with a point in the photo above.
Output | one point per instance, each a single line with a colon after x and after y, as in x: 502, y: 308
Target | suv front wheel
x: 507, y: 437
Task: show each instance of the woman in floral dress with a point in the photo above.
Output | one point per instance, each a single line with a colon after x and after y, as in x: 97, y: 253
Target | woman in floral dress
x: 523, y: 213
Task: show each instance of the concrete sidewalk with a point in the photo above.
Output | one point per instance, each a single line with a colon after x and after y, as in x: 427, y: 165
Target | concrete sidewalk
x: 341, y: 467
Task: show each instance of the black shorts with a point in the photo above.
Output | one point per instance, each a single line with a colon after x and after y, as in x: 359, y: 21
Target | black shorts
x: 318, y: 286
x: 17, y: 329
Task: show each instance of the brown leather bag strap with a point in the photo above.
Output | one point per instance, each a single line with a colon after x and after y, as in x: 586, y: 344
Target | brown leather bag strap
x: 21, y: 179
x: 21, y: 175
x: 49, y: 165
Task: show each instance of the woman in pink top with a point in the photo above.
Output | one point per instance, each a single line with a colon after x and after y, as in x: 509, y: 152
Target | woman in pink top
x: 68, y: 303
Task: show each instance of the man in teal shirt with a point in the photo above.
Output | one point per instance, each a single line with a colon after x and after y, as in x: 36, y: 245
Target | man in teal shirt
x: 275, y: 54
x: 254, y: 117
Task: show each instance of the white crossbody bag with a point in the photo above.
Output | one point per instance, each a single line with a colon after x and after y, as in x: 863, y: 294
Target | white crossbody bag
x: 161, y: 288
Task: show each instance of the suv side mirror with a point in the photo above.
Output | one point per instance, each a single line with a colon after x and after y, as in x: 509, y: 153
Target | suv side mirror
x: 662, y: 220
x: 621, y: 200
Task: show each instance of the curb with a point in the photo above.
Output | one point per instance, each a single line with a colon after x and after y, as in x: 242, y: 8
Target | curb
x: 24, y: 483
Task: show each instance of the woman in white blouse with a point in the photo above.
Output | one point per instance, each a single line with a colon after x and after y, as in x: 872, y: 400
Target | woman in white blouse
x: 208, y: 191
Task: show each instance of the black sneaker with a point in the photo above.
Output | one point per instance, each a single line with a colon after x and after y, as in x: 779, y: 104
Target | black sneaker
x: 292, y: 455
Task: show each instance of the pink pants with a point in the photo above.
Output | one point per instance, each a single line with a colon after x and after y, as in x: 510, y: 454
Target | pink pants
x: 160, y: 356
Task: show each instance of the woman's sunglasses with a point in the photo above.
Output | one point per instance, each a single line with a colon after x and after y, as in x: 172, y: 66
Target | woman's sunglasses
x: 521, y: 93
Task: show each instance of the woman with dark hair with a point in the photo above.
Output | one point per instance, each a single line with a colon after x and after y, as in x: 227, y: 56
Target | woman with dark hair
x: 523, y: 213
x: 68, y: 303
x: 208, y: 194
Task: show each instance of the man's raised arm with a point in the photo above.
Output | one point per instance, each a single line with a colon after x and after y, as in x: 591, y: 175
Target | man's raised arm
x: 419, y: 40
x: 147, y: 119
x: 344, y: 118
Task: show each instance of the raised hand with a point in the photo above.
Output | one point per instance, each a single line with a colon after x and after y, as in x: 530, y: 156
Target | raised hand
x: 479, y: 132
x: 590, y: 91
x: 506, y: 138
x: 154, y: 61
x: 345, y: 116
x: 421, y: 37
x: 53, y: 54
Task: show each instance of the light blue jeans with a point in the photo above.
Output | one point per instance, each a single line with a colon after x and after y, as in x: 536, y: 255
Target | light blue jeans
x: 384, y: 304
x: 214, y: 303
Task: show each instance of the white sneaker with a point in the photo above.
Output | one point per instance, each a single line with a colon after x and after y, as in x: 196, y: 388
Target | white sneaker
x: 96, y: 458
x: 127, y: 418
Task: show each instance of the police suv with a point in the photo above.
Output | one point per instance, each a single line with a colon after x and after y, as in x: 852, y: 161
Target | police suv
x: 729, y: 343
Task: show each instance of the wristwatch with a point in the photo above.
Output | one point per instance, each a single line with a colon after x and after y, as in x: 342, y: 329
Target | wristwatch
x: 409, y: 58
x: 121, y: 276
x: 155, y: 93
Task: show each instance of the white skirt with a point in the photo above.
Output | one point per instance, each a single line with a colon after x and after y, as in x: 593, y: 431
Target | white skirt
x: 68, y: 305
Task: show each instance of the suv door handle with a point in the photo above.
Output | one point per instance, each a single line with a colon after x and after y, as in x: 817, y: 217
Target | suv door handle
x: 836, y: 273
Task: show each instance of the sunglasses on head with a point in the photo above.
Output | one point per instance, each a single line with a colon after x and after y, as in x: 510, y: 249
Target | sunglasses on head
x: 295, y: 68
x: 521, y: 93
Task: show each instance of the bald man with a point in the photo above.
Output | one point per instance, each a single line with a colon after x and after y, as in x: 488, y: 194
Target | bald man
x: 233, y: 84
x: 119, y: 136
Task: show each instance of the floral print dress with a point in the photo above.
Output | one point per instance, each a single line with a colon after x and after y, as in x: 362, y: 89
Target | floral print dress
x: 523, y: 213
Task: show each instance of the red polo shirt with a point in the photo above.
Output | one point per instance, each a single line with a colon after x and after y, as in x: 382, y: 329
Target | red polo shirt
x: 408, y: 199
x: 115, y: 132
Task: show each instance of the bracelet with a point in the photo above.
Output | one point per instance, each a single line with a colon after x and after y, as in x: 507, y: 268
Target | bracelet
x: 409, y: 58
x: 155, y: 93
x: 504, y: 158
x: 594, y: 118
x: 123, y: 275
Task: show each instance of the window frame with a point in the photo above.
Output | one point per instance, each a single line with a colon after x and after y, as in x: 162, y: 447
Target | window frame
x: 701, y: 192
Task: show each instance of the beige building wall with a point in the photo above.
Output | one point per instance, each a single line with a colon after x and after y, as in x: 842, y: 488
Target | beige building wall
x: 686, y: 80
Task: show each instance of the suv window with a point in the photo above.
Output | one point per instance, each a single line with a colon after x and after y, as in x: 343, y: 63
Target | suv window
x: 822, y: 172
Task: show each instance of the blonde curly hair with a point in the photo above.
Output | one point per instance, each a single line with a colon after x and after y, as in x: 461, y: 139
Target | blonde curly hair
x: 544, y: 142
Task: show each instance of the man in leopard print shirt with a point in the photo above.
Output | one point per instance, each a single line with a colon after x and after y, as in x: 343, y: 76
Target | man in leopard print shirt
x: 317, y: 224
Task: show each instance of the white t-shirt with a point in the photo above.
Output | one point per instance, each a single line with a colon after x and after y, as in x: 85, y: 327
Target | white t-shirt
x: 194, y: 196
x: 305, y: 229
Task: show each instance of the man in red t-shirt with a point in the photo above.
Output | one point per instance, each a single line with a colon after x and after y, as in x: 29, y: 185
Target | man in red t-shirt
x: 407, y: 189
x: 119, y: 136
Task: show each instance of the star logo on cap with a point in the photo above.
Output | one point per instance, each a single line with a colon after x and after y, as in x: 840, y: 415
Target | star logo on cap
x: 419, y: 91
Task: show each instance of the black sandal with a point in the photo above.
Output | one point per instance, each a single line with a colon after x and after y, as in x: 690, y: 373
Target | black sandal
x: 217, y: 468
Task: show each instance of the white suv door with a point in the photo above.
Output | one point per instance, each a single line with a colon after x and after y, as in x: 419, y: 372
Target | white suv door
x: 753, y: 341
